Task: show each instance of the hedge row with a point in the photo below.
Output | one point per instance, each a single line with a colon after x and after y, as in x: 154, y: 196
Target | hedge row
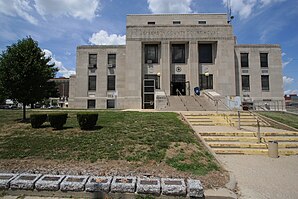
x: 87, y: 120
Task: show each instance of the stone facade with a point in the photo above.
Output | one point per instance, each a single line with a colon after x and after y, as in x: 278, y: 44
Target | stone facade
x: 170, y: 53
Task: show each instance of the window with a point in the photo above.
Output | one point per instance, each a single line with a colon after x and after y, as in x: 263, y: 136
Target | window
x: 206, y: 82
x: 92, y: 60
x: 265, y: 82
x: 91, y: 104
x: 178, y: 53
x: 156, y: 79
x: 245, y: 83
x: 151, y: 22
x: 111, y: 82
x: 244, y: 60
x: 205, y: 53
x: 202, y: 22
x: 92, y: 83
x: 110, y: 103
x: 264, y: 59
x: 112, y: 59
x: 151, y: 53
x: 176, y: 22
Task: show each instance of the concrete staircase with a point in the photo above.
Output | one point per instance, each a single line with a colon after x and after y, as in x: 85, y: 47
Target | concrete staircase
x: 246, y: 142
x: 220, y: 133
x: 189, y: 103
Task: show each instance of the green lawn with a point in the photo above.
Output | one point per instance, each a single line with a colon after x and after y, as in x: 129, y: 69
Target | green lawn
x: 131, y: 136
x: 283, y: 117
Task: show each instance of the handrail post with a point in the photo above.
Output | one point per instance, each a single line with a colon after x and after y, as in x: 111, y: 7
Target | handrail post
x: 216, y: 102
x: 259, y: 131
x: 239, y: 127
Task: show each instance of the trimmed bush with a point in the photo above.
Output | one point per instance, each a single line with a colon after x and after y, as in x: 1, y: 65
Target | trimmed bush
x: 37, y: 120
x: 87, y: 121
x: 57, y: 120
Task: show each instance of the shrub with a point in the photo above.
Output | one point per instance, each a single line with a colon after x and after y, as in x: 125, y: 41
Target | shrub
x: 37, y: 120
x: 57, y: 120
x: 87, y: 121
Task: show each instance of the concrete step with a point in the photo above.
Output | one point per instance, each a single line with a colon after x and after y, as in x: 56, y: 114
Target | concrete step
x: 255, y: 151
x: 281, y: 145
x: 249, y: 134
x: 250, y: 139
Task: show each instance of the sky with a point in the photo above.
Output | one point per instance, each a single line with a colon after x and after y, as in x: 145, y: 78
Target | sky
x: 60, y: 26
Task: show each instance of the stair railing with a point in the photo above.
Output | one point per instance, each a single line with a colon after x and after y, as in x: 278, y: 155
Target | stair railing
x: 167, y: 97
x: 179, y: 94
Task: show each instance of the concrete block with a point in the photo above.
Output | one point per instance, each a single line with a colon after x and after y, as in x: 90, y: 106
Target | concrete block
x: 5, y: 179
x: 195, y: 188
x: 73, y: 183
x: 98, y: 183
x: 25, y: 181
x: 175, y: 186
x: 148, y: 186
x: 123, y: 184
x: 49, y: 182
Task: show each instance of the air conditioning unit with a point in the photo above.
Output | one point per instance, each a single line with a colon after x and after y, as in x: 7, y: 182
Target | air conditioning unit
x: 92, y: 66
x: 149, y: 61
x: 111, y: 65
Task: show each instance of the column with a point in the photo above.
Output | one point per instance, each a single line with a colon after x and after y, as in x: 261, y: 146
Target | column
x: 193, y: 66
x: 166, y: 70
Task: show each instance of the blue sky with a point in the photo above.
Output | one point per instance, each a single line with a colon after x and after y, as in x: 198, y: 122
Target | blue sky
x: 61, y: 25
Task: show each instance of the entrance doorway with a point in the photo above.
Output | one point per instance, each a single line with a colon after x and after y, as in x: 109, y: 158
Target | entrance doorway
x: 178, y: 84
x: 206, y: 81
x: 148, y: 93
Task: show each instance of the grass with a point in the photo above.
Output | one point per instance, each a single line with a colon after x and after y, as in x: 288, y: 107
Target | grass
x: 130, y: 136
x: 283, y: 117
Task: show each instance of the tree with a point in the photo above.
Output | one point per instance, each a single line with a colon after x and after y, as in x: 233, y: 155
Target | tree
x: 25, y: 71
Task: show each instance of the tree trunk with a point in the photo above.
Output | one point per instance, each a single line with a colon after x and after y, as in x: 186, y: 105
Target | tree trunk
x: 24, y: 112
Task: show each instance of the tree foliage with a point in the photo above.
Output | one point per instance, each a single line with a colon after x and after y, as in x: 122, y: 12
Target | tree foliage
x: 25, y: 71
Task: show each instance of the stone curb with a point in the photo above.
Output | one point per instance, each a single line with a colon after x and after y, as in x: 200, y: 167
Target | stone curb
x: 161, y: 187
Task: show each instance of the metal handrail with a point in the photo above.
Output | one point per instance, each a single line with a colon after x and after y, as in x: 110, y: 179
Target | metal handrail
x: 168, y: 101
x: 198, y: 101
x: 179, y: 94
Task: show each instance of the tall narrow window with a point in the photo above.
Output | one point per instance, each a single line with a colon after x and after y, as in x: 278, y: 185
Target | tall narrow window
x: 156, y: 79
x: 92, y: 60
x: 205, y: 53
x: 245, y: 83
x: 265, y: 82
x: 91, y: 104
x: 264, y: 59
x: 151, y: 53
x: 244, y: 60
x: 111, y: 82
x: 110, y: 103
x: 112, y: 60
x: 206, y: 82
x: 178, y: 53
x: 92, y: 83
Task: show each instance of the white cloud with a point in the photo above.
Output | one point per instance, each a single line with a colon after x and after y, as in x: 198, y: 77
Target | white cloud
x: 287, y: 80
x: 287, y: 92
x: 20, y: 8
x: 285, y: 63
x: 103, y: 38
x: 169, y: 6
x: 244, y: 8
x: 283, y: 54
x: 62, y: 69
x: 74, y: 8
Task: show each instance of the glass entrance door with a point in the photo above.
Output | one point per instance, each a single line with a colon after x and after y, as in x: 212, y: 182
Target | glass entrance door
x: 178, y: 84
x: 148, y: 93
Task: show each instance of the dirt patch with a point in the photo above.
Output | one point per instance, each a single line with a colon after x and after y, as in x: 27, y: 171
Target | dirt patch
x: 177, y: 147
x: 109, y: 168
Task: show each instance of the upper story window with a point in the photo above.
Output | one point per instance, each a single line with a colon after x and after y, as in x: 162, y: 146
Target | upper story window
x: 111, y: 86
x: 202, y: 22
x: 265, y: 82
x: 264, y: 59
x: 112, y: 60
x: 205, y: 53
x: 176, y: 22
x: 92, y: 60
x: 178, y: 53
x: 151, y: 53
x: 244, y: 60
x: 92, y: 83
x: 151, y: 22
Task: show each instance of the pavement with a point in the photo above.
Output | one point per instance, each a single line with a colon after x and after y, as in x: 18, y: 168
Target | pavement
x: 262, y: 177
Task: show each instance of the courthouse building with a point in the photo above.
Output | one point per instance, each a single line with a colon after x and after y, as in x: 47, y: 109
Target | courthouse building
x: 170, y: 54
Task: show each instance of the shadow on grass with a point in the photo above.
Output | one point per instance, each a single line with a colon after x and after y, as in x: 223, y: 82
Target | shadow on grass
x: 27, y: 120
